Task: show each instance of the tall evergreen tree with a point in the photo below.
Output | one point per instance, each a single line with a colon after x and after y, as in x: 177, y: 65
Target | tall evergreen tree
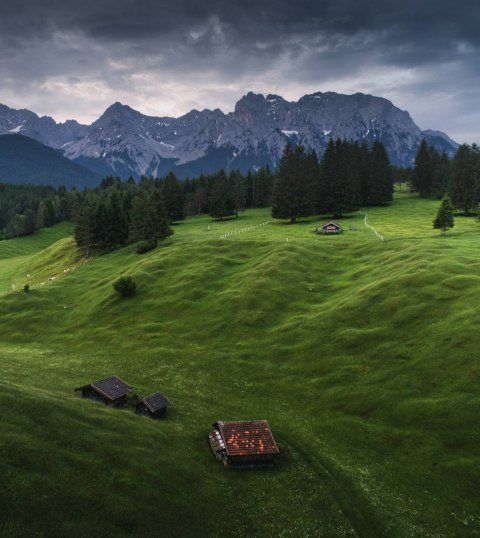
x: 149, y: 219
x: 221, y: 203
x: 85, y: 233
x: 465, y: 178
x: 444, y: 219
x: 380, y: 178
x: 115, y: 233
x: 340, y: 190
x: 264, y: 186
x: 422, y: 179
x: 173, y: 196
x: 292, y: 194
x: 237, y: 186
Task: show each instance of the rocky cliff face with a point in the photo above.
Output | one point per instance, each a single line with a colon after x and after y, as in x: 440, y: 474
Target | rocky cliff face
x: 125, y: 142
x: 44, y: 129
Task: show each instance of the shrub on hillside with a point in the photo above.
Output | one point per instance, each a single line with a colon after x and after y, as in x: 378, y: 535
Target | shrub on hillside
x: 26, y: 288
x: 144, y: 246
x: 125, y: 286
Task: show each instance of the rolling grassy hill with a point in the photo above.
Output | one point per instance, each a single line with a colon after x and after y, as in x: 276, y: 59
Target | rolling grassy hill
x: 361, y: 353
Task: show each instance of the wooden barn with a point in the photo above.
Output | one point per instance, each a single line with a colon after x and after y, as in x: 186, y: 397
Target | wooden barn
x: 243, y: 444
x: 109, y: 391
x: 329, y: 228
x: 154, y: 406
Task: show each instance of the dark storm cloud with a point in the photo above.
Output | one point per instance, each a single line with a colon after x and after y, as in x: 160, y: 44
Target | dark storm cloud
x: 173, y: 55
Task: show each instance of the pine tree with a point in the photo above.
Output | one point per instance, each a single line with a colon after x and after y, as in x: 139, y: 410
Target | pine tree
x: 340, y: 189
x: 444, y: 219
x: 221, y: 202
x: 149, y: 220
x: 173, y: 197
x: 237, y: 186
x: 85, y: 225
x: 115, y: 232
x: 465, y: 178
x: 292, y: 192
x: 380, y: 178
x: 422, y: 179
x: 264, y: 186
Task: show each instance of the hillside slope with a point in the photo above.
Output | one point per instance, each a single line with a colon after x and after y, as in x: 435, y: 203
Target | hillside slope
x: 360, y: 353
x: 24, y: 160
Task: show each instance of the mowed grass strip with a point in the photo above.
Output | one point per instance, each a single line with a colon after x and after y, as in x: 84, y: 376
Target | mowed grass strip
x: 361, y: 353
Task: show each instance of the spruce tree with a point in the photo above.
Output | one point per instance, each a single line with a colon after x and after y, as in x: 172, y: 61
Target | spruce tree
x: 340, y: 189
x: 380, y: 178
x: 465, y: 178
x: 149, y: 220
x: 173, y: 197
x: 444, y: 219
x: 84, y: 231
x: 221, y: 202
x: 115, y: 233
x: 292, y: 193
x: 422, y: 179
x: 237, y: 186
x: 264, y: 186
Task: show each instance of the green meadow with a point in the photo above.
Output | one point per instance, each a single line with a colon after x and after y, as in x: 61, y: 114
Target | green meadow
x: 362, y: 353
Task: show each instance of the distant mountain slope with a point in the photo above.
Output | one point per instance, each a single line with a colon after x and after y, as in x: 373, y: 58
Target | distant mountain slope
x: 24, y: 160
x: 125, y: 142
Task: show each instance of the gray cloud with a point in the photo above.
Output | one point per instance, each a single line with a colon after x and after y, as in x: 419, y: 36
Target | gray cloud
x: 71, y: 59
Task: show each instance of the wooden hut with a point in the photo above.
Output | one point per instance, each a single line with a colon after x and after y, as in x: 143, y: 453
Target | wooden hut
x: 243, y: 444
x: 109, y: 391
x: 154, y: 406
x: 329, y: 228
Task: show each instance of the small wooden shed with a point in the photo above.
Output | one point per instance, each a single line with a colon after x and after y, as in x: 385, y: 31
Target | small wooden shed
x: 243, y: 444
x: 329, y: 228
x: 154, y: 406
x: 109, y: 391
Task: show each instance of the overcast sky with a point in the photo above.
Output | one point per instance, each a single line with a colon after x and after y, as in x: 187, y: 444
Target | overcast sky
x: 72, y: 59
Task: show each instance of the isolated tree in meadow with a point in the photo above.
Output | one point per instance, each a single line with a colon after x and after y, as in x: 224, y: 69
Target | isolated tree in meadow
x: 292, y: 191
x: 422, y: 179
x: 125, y: 286
x: 465, y: 178
x: 444, y: 219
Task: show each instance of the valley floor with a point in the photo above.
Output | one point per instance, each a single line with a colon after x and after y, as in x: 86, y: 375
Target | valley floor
x: 360, y: 352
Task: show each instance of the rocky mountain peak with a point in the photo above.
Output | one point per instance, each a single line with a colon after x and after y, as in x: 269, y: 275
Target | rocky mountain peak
x: 126, y: 142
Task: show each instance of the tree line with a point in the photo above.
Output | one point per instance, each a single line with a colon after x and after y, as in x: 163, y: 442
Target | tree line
x: 435, y: 175
x: 120, y: 212
x: 24, y: 209
x: 348, y: 176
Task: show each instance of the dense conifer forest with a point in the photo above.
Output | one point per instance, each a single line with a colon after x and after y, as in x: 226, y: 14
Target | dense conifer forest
x: 349, y: 176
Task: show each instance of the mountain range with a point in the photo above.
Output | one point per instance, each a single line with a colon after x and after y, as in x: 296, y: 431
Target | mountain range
x: 125, y: 142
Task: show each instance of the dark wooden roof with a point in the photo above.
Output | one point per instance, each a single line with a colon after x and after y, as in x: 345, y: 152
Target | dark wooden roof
x: 331, y: 223
x: 155, y: 402
x: 111, y: 387
x: 248, y: 437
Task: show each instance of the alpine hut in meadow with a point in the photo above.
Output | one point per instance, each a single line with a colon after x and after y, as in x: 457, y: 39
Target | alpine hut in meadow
x: 154, y: 406
x: 329, y: 228
x: 243, y: 444
x: 109, y: 391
